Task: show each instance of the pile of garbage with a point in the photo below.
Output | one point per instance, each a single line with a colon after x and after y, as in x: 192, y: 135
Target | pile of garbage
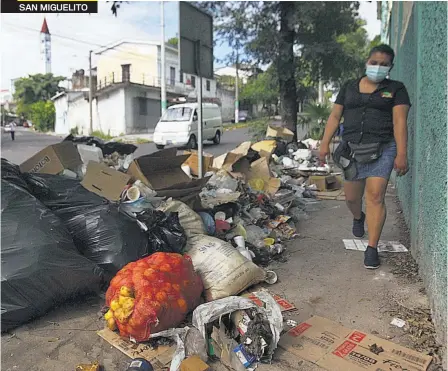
x: 163, y: 243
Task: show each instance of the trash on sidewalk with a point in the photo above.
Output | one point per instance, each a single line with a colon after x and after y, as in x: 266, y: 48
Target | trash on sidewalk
x: 325, y: 183
x: 94, y: 366
x: 194, y: 363
x: 383, y: 246
x: 162, y: 172
x: 53, y: 160
x: 104, y: 181
x: 283, y: 303
x: 235, y: 347
x: 160, y: 356
x: 152, y: 294
x: 224, y: 271
x: 37, y: 252
x: 279, y: 132
x: 398, y: 322
x: 334, y: 347
x: 192, y: 162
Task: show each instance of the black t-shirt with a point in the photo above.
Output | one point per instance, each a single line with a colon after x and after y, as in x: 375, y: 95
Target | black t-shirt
x: 368, y: 117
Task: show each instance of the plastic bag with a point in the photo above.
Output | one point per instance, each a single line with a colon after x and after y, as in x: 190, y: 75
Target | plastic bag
x: 164, y: 230
x: 153, y: 294
x: 40, y: 264
x: 100, y: 231
x: 224, y: 271
x: 11, y: 173
x: 190, y: 220
x: 107, y: 148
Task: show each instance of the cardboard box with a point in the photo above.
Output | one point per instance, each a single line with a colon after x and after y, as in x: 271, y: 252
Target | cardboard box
x: 313, y: 339
x: 279, y: 132
x: 162, y: 172
x: 283, y: 303
x: 192, y: 162
x: 160, y: 357
x: 325, y: 182
x: 193, y: 363
x: 53, y: 159
x: 227, y: 160
x: 105, y: 181
x: 337, y: 348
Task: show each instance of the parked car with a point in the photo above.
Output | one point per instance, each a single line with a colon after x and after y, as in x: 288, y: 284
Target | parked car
x: 243, y: 116
x: 27, y: 124
x: 179, y: 125
x: 7, y: 128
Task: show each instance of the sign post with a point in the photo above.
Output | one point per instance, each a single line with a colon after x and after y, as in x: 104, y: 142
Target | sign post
x: 196, y: 55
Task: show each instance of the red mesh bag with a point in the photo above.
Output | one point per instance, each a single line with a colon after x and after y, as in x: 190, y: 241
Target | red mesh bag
x: 153, y: 294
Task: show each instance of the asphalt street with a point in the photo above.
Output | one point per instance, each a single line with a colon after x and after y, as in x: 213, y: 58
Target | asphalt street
x: 28, y: 143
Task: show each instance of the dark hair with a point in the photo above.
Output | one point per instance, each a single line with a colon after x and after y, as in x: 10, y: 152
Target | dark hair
x: 383, y: 48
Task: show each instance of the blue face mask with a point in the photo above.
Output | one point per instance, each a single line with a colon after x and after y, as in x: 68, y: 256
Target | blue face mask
x: 377, y: 73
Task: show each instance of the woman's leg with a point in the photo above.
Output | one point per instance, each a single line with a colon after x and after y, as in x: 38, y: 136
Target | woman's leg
x: 375, y: 208
x: 353, y: 197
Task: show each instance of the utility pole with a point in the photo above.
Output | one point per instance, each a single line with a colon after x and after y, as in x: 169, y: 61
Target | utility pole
x: 162, y: 57
x: 200, y: 144
x: 237, y: 102
x: 90, y: 92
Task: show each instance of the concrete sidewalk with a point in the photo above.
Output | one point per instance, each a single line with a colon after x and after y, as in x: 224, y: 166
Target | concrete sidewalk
x: 320, y: 278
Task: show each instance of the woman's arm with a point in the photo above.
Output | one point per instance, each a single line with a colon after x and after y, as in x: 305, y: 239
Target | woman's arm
x: 330, y: 129
x: 400, y: 117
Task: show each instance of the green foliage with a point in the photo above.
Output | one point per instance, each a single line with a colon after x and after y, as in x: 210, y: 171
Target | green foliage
x: 257, y: 129
x: 174, y: 41
x: 317, y: 115
x: 263, y: 88
x: 101, y: 135
x: 43, y: 115
x: 33, y: 89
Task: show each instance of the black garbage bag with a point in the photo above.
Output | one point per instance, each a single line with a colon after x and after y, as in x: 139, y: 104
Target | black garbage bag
x: 164, y: 231
x: 59, y: 192
x: 107, y: 148
x: 41, y: 267
x: 100, y: 231
x: 11, y: 173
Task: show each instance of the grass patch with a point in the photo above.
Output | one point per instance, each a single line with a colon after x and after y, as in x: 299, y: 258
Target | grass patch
x: 142, y: 141
x: 101, y: 135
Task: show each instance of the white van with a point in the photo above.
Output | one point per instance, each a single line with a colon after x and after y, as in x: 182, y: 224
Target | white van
x: 179, y: 125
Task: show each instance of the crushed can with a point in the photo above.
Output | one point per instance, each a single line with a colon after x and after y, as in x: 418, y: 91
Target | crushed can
x: 140, y: 364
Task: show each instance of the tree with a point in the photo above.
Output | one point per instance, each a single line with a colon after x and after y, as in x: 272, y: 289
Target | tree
x: 262, y: 88
x: 281, y: 33
x: 43, y: 115
x: 174, y: 41
x: 317, y: 114
x: 35, y: 88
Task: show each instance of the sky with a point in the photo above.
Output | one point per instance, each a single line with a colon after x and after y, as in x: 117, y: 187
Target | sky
x: 73, y: 35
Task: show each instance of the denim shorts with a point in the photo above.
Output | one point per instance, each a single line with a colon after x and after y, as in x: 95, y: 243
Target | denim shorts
x: 382, y: 167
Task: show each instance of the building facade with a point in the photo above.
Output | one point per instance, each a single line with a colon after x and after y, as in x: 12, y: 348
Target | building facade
x: 127, y: 96
x: 418, y: 33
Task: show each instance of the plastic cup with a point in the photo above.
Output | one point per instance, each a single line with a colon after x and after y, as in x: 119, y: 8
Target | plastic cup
x: 133, y: 194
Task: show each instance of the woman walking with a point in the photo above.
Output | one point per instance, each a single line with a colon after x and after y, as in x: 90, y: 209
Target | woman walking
x: 374, y: 142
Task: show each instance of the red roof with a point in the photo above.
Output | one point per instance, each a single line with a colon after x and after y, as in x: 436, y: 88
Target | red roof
x: 44, y: 28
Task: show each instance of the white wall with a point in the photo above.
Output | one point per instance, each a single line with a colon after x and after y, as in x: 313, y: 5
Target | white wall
x: 227, y: 98
x: 108, y: 114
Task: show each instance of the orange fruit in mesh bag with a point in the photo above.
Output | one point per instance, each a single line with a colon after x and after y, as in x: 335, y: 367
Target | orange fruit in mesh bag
x: 153, y: 294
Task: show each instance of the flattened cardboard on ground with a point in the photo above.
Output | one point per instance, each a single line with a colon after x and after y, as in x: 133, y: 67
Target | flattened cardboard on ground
x: 337, y: 348
x: 419, y: 361
x: 192, y: 161
x: 105, y: 181
x: 314, y: 338
x: 279, y: 132
x: 159, y: 358
x: 265, y: 147
x: 162, y: 172
x: 53, y: 159
x: 383, y: 246
x: 338, y: 195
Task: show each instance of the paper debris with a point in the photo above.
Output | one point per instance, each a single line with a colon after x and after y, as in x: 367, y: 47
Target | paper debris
x: 398, y: 322
x: 383, y: 246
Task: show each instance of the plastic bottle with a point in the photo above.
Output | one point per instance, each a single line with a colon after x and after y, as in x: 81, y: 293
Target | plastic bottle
x: 140, y: 364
